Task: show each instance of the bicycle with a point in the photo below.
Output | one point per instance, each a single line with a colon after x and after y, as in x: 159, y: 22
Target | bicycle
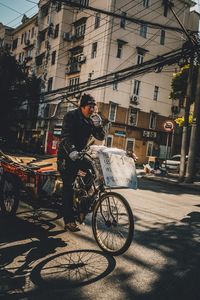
x: 112, y: 217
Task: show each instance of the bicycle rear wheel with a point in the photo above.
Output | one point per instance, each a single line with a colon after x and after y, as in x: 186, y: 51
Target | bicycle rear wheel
x: 113, y: 223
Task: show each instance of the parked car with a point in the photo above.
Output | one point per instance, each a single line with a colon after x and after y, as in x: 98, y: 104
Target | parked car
x: 173, y: 164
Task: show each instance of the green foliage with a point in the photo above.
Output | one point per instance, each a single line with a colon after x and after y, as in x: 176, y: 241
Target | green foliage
x: 180, y: 121
x: 179, y: 84
x: 16, y: 88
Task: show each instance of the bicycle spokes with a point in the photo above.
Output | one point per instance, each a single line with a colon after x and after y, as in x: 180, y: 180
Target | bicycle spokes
x: 113, y: 223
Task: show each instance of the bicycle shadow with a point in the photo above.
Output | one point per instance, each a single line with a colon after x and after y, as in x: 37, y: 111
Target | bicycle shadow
x: 72, y: 269
x: 22, y: 244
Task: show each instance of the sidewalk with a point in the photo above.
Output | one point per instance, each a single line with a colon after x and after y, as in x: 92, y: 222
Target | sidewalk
x: 171, y: 179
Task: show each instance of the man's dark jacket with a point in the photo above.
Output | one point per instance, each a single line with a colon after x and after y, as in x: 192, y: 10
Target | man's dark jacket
x: 76, y: 131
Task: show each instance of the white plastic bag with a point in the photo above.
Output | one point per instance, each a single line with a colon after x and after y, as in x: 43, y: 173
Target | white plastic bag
x: 118, y: 169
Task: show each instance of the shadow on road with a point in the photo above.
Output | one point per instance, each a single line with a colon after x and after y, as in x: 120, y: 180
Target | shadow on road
x: 29, y: 241
x: 63, y: 275
x: 179, y: 276
x: 159, y: 187
x: 78, y: 268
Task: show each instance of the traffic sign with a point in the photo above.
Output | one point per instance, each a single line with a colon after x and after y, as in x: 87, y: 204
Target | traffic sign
x: 168, y: 126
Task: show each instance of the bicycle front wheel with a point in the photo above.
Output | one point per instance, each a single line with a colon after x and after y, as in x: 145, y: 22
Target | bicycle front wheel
x: 113, y: 223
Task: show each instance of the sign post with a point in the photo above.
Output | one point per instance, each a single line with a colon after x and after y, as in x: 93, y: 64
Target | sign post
x: 168, y: 127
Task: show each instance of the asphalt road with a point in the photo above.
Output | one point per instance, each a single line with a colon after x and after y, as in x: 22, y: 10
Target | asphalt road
x: 40, y: 261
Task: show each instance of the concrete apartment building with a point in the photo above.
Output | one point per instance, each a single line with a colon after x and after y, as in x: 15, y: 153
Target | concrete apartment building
x: 24, y: 43
x: 71, y: 46
x: 5, y: 36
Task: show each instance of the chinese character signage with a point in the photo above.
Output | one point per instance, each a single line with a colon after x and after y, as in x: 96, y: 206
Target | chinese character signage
x: 118, y: 170
x: 149, y: 134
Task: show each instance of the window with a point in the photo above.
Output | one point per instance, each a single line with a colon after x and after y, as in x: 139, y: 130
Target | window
x: 14, y: 46
x: 25, y: 37
x: 44, y: 10
x: 89, y: 79
x: 120, y: 44
x: 140, y: 55
x: 73, y: 84
x: 29, y: 35
x: 56, y: 32
x: 80, y: 30
x: 112, y: 112
x: 115, y: 83
x: 32, y: 32
x: 140, y: 58
x: 22, y: 38
x: 162, y: 37
x: 58, y: 6
x: 130, y: 143
x: 119, y: 49
x: 109, y: 141
x: 146, y: 3
x: 39, y: 59
x: 133, y: 113
x: 94, y: 50
x: 50, y: 84
x: 165, y: 12
x: 143, y: 30
x: 97, y: 20
x: 53, y: 57
x: 30, y: 53
x: 42, y: 35
x: 149, y: 149
x: 152, y: 121
x: 84, y: 3
x: 123, y: 20
x: 136, y: 87
x: 20, y: 57
x: 155, y: 94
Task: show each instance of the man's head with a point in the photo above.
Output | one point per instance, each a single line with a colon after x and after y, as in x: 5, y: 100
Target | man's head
x: 87, y: 105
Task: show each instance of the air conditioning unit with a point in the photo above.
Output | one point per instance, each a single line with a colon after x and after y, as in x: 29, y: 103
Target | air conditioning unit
x: 67, y: 70
x: 68, y: 37
x: 134, y: 99
x: 81, y: 58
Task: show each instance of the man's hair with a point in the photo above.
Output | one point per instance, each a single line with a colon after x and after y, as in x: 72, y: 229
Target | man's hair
x: 87, y: 99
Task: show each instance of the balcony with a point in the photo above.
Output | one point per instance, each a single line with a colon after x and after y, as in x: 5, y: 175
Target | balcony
x: 73, y: 68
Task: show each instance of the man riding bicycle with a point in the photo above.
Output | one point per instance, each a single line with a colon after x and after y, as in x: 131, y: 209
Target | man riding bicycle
x: 77, y: 129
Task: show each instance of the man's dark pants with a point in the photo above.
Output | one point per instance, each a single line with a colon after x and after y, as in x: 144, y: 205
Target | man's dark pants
x: 68, y: 170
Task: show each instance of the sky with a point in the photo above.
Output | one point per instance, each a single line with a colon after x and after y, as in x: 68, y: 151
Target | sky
x: 11, y: 11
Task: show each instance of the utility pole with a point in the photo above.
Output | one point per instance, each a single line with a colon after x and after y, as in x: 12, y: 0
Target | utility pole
x: 193, y: 139
x: 188, y: 95
x: 186, y: 121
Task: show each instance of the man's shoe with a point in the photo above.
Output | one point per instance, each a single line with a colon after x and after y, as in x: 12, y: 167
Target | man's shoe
x: 81, y: 217
x: 73, y: 227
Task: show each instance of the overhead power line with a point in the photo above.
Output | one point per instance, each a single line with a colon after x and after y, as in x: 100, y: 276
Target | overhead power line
x: 114, y: 14
x: 168, y: 58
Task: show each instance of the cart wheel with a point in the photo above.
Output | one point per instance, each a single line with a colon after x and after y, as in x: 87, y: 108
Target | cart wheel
x: 9, y: 195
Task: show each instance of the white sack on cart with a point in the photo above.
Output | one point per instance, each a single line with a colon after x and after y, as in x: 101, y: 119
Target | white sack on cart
x: 118, y: 169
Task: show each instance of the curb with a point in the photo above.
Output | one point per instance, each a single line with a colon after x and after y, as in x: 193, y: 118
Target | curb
x: 174, y: 183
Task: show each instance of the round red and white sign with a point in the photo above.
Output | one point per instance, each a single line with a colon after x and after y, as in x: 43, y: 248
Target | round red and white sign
x: 168, y: 126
